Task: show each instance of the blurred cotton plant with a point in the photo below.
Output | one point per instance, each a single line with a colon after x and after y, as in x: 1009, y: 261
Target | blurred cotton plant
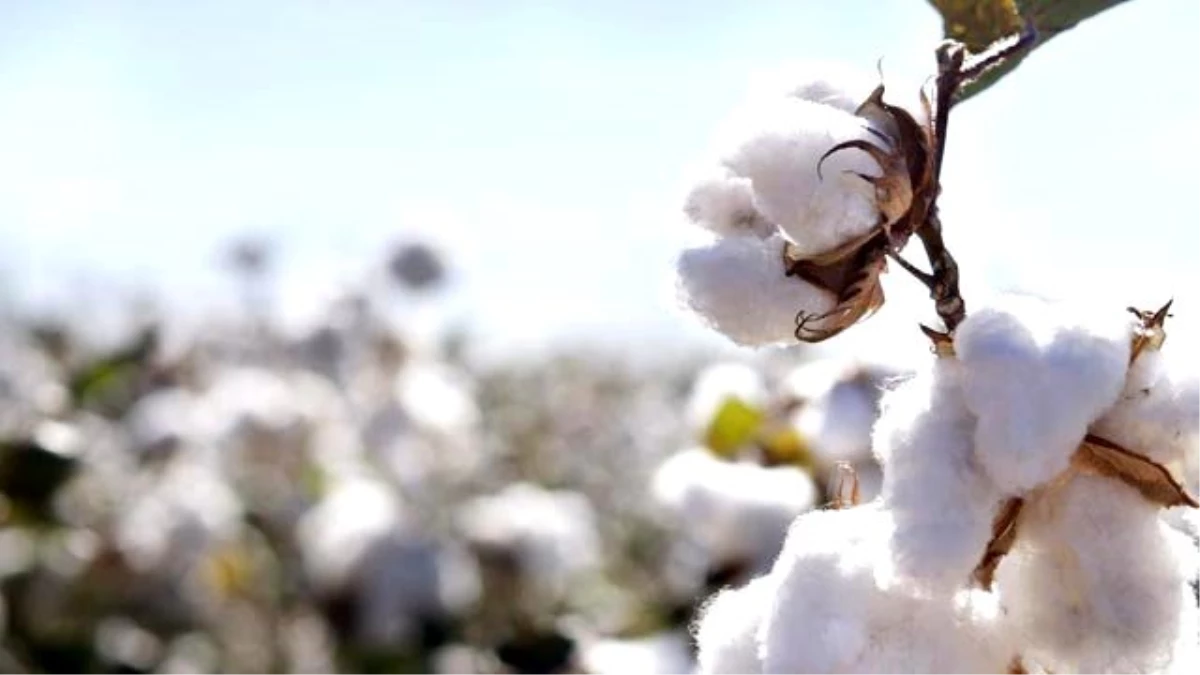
x: 1021, y: 522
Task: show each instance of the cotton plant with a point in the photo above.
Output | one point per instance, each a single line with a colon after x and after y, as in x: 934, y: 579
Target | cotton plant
x: 1028, y: 515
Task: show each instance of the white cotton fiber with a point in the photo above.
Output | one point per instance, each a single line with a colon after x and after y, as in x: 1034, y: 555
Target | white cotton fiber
x: 1093, y: 584
x: 778, y: 145
x: 942, y: 506
x: 1036, y: 376
x: 728, y: 627
x: 840, y: 609
x: 1158, y: 413
x: 724, y: 204
x: 738, y: 287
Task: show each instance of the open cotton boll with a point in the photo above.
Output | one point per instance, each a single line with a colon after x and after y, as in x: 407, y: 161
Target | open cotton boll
x: 1093, y: 583
x: 941, y: 504
x: 1158, y: 413
x: 738, y: 511
x: 778, y: 145
x: 1036, y: 375
x: 738, y: 287
x: 837, y: 425
x: 728, y: 627
x: 718, y: 384
x: 838, y: 607
x: 551, y: 533
x: 724, y: 203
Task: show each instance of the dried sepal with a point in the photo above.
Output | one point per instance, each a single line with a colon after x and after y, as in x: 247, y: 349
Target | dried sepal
x: 1004, y: 535
x: 1149, y: 334
x: 943, y: 343
x: 1151, y: 479
x: 846, y: 492
x: 856, y: 285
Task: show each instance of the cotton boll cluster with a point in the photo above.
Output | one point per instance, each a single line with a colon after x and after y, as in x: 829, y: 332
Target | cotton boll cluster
x: 1098, y: 579
x: 778, y: 184
x: 549, y: 535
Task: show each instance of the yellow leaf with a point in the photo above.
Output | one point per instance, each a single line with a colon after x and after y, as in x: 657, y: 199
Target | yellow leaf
x: 733, y: 425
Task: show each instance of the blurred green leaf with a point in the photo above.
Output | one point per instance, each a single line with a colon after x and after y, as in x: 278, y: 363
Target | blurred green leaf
x: 979, y: 23
x: 735, y: 424
x: 109, y: 383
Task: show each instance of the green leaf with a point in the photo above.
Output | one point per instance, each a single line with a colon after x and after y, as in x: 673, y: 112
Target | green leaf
x: 733, y: 425
x: 979, y: 23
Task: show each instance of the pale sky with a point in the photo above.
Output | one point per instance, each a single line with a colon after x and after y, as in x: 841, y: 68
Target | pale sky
x: 544, y: 144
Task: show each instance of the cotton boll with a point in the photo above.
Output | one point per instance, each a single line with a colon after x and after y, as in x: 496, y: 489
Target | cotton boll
x: 941, y: 504
x: 1158, y: 413
x: 738, y: 287
x: 778, y: 145
x: 724, y: 204
x: 1036, y: 376
x: 728, y: 627
x: 359, y: 543
x: 837, y: 425
x: 437, y: 398
x: 1093, y: 583
x: 551, y: 533
x: 719, y: 383
x: 839, y: 607
x: 664, y: 652
x: 737, y: 511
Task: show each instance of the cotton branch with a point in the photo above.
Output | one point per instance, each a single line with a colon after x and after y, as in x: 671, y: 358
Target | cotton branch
x: 954, y: 71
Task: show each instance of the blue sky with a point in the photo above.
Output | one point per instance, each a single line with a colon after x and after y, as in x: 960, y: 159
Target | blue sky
x: 544, y: 144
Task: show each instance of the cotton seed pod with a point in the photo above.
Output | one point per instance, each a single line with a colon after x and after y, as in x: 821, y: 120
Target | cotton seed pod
x: 903, y: 148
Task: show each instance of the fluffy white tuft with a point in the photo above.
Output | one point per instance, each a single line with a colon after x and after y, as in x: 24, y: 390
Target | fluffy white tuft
x: 1037, y: 375
x: 839, y: 608
x: 724, y: 204
x: 778, y: 145
x: 1093, y: 584
x: 1158, y: 413
x: 941, y: 504
x: 728, y: 628
x: 737, y: 286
